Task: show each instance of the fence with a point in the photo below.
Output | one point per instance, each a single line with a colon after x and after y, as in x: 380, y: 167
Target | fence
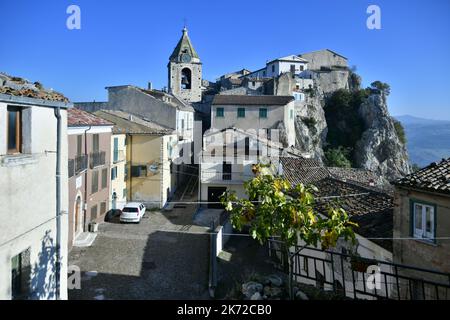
x: 357, y: 277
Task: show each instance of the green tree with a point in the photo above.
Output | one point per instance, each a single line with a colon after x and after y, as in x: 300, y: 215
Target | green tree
x: 338, y: 157
x: 274, y: 208
x: 382, y: 86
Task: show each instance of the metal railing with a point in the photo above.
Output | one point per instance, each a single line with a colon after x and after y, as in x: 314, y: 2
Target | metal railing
x: 97, y: 159
x: 357, y: 277
x: 77, y: 165
x: 81, y: 162
x: 218, y: 176
x: 118, y: 156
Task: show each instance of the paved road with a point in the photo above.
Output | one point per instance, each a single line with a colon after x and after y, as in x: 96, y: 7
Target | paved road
x: 163, y: 257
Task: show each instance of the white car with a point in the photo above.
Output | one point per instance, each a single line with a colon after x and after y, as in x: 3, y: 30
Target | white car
x: 132, y: 212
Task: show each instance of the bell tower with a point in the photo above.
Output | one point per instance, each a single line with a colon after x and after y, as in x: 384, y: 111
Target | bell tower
x: 185, y: 71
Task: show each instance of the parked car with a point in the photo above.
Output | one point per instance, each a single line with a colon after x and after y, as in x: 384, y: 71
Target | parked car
x: 132, y: 212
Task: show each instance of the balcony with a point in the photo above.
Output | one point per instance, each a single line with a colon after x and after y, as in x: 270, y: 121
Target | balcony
x: 77, y: 165
x: 97, y: 159
x: 223, y: 177
x: 118, y: 156
x: 81, y: 162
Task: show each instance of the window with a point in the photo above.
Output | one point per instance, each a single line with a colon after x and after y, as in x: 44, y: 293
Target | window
x: 241, y: 112
x: 263, y: 113
x: 94, y: 184
x: 226, y: 171
x: 273, y: 68
x: 116, y: 150
x: 102, y: 208
x: 94, y: 213
x: 423, y: 218
x: 104, y: 178
x: 113, y: 173
x: 291, y: 114
x: 124, y: 193
x: 138, y: 171
x: 14, y: 130
x: 302, y: 68
x: 20, y: 275
x: 219, y: 113
x: 79, y: 145
x: 95, y: 142
x: 247, y: 148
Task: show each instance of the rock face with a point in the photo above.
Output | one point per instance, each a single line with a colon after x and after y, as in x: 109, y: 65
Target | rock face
x: 379, y: 148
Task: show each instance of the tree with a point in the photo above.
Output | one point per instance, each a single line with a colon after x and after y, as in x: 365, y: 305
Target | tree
x: 382, y: 86
x: 275, y: 208
x: 338, y: 157
x: 400, y: 131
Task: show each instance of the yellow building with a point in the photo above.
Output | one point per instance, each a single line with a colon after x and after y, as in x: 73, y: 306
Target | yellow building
x: 118, y: 184
x: 148, y: 153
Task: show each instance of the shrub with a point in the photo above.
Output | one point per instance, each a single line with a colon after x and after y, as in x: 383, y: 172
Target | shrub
x: 400, y: 132
x: 382, y: 86
x: 338, y: 157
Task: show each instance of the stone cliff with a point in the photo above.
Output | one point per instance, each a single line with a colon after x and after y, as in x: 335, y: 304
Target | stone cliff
x: 376, y: 145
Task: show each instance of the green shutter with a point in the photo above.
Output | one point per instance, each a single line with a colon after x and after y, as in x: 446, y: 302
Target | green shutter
x: 241, y: 112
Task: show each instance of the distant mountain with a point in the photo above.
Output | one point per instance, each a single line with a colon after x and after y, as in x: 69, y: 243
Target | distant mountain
x: 428, y: 140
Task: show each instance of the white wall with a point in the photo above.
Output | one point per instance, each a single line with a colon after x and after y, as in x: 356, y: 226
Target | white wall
x: 28, y: 198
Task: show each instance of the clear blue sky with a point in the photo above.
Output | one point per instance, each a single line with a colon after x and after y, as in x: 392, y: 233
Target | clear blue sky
x: 129, y: 42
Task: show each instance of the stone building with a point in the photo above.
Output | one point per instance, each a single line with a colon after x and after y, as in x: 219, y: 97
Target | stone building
x: 325, y: 58
x: 255, y: 113
x: 33, y: 152
x: 422, y: 222
x: 185, y: 71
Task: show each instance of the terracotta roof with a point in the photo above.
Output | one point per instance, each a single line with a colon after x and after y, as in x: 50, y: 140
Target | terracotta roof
x: 252, y: 100
x: 77, y: 117
x: 371, y: 210
x: 125, y: 122
x: 435, y: 178
x: 301, y: 170
x: 368, y: 206
x: 20, y: 87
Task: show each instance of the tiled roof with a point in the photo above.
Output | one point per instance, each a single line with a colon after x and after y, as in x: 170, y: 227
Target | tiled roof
x: 435, y: 178
x: 301, y: 170
x: 252, y: 100
x: 77, y: 117
x: 20, y: 87
x: 360, y: 176
x: 371, y: 210
x: 125, y: 122
x: 368, y: 206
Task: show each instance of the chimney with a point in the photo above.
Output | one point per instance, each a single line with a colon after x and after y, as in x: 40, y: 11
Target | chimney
x: 130, y: 117
x: 150, y: 86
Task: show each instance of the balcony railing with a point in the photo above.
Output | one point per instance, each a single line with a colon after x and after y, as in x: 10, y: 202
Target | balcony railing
x: 81, y: 163
x: 77, y: 165
x: 97, y: 159
x: 118, y: 156
x: 223, y: 176
x: 353, y: 277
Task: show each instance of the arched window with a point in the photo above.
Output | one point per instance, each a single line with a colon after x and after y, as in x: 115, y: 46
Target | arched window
x: 186, y: 78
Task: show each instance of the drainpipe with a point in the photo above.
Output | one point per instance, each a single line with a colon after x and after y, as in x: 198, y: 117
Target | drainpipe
x: 58, y: 203
x: 85, y: 177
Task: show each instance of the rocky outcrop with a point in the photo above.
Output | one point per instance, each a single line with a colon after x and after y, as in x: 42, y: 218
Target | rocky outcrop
x: 379, y: 148
x: 311, y: 125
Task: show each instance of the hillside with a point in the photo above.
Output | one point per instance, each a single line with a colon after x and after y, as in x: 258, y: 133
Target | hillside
x: 428, y: 140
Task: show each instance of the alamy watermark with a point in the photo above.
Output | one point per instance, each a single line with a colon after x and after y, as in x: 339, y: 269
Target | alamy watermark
x: 73, y: 22
x: 374, y: 20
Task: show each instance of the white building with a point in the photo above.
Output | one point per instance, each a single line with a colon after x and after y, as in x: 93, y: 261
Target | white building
x: 276, y: 67
x: 227, y: 159
x: 32, y: 139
